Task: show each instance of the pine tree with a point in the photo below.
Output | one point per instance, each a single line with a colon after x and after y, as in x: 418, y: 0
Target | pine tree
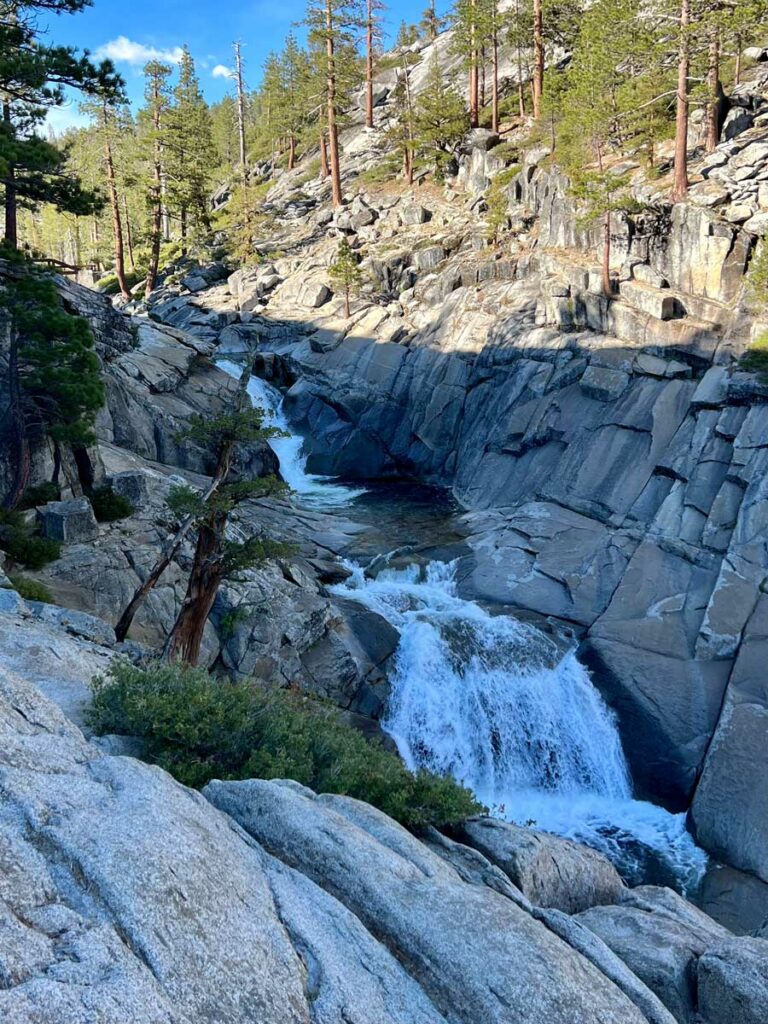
x: 373, y: 38
x: 345, y: 272
x: 469, y: 37
x: 110, y: 121
x: 54, y: 379
x: 32, y: 80
x: 441, y: 118
x: 333, y: 23
x: 402, y: 131
x: 217, y: 557
x: 188, y: 141
x: 431, y: 23
x: 156, y: 95
x: 591, y: 124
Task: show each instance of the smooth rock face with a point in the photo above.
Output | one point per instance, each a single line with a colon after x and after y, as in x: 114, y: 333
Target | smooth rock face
x: 731, y: 801
x: 732, y: 982
x: 549, y: 871
x: 113, y: 880
x: 659, y: 937
x: 478, y: 956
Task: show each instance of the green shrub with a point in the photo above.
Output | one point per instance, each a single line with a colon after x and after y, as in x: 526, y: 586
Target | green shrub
x: 24, y: 546
x: 108, y: 506
x: 31, y: 590
x: 41, y: 494
x: 201, y: 728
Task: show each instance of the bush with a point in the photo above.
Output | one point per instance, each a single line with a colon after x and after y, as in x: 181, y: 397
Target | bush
x: 40, y: 495
x: 200, y: 728
x: 31, y: 590
x: 23, y: 545
x: 108, y: 506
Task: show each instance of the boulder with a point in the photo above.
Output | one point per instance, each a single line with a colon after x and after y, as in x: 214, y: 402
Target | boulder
x: 70, y: 522
x: 732, y: 982
x: 657, y: 302
x: 757, y: 224
x: 411, y: 213
x: 659, y: 936
x: 479, y: 957
x: 548, y: 870
x: 133, y: 485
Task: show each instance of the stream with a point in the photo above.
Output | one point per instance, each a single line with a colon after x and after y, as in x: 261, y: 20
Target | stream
x: 485, y: 697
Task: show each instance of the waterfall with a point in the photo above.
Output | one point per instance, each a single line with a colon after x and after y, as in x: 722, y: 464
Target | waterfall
x: 314, y: 491
x: 493, y: 702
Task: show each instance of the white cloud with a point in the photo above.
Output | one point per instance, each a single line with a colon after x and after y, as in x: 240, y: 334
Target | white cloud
x: 59, y: 119
x: 125, y: 51
x: 221, y: 71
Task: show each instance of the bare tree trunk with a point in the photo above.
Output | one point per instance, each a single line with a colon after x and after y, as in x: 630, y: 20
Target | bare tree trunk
x: 410, y: 144
x: 713, y: 92
x: 291, y: 153
x: 737, y: 69
x: 11, y: 207
x: 117, y: 226
x: 333, y: 138
x: 241, y: 109
x: 680, y: 187
x: 369, y: 66
x: 347, y: 311
x: 607, y: 283
x: 157, y: 197
x: 171, y: 548
x: 474, y: 112
x: 204, y: 581
x: 128, y: 233
x: 495, y: 82
x: 538, y: 57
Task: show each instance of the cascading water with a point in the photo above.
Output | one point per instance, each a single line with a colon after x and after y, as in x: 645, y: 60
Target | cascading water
x: 314, y: 491
x: 493, y: 701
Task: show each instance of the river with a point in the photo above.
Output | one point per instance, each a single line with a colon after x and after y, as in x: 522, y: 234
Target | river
x: 488, y: 698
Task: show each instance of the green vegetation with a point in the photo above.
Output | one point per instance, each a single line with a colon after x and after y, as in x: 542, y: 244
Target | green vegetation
x: 345, y: 272
x: 40, y: 494
x: 108, y: 506
x: 200, y: 728
x: 23, y: 545
x: 755, y: 359
x: 31, y: 590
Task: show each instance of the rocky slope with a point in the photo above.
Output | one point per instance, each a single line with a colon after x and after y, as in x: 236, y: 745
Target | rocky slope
x: 125, y: 897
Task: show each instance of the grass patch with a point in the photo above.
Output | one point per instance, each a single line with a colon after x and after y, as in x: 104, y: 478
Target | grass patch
x: 200, y: 728
x: 31, y: 590
x: 755, y: 359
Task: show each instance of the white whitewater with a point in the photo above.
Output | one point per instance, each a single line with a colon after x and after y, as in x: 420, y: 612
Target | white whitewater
x: 314, y: 491
x: 489, y: 700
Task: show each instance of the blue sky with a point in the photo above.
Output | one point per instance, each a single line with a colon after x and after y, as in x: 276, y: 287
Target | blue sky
x: 133, y: 32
